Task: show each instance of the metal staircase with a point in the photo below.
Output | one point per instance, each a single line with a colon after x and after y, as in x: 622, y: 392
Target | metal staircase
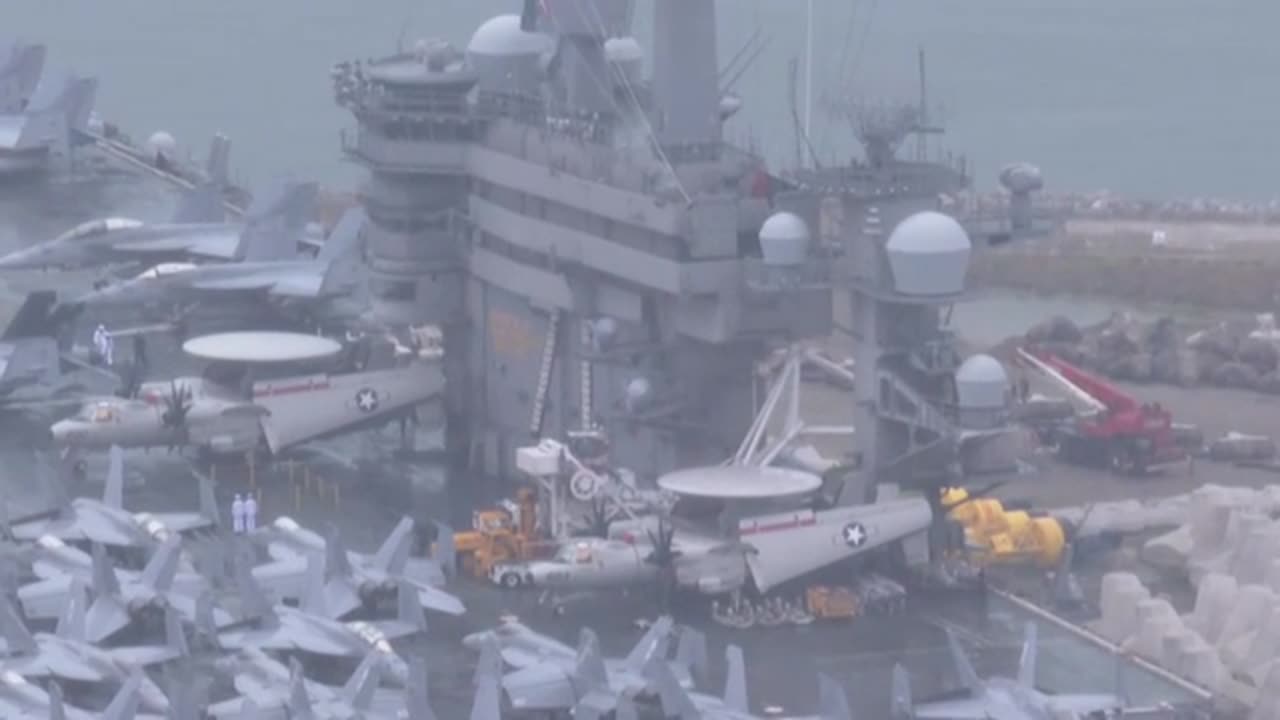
x: 585, y: 392
x: 544, y: 374
x: 909, y: 406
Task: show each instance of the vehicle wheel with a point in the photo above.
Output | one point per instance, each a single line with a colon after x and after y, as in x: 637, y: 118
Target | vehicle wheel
x: 510, y: 579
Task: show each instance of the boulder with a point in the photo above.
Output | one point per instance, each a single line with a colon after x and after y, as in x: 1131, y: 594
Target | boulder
x: 1238, y: 447
x: 1235, y: 375
x: 1056, y: 329
x: 1259, y: 354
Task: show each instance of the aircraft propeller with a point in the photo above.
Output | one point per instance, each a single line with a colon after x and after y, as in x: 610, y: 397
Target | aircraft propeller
x: 663, y: 556
x: 597, y: 520
x: 177, y: 405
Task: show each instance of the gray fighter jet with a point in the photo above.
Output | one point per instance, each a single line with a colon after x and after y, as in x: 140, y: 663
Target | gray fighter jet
x: 308, y: 283
x: 1000, y: 698
x: 66, y: 654
x: 35, y: 374
x: 273, y: 227
x: 105, y: 521
x: 550, y: 675
x: 352, y: 579
x: 39, y: 139
x: 56, y: 563
x: 276, y: 691
x: 19, y: 76
x: 21, y: 700
x: 303, y: 628
x: 678, y: 702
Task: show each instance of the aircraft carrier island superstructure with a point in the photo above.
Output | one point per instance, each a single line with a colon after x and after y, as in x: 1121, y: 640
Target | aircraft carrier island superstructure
x: 599, y: 259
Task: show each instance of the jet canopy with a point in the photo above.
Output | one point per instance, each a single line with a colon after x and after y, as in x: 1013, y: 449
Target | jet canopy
x: 93, y: 228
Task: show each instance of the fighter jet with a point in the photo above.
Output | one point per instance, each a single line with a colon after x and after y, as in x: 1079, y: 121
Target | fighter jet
x: 550, y: 675
x: 66, y: 654
x: 55, y: 563
x: 19, y: 76
x: 288, y: 284
x: 42, y: 138
x: 1000, y: 698
x: 106, y: 521
x: 287, y: 629
x: 272, y: 229
x: 279, y: 692
x: 21, y: 700
x: 352, y: 579
x: 35, y: 374
x: 678, y: 702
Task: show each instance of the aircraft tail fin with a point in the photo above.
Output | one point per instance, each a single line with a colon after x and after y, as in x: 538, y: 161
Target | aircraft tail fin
x: 204, y: 621
x: 57, y: 708
x: 253, y: 603
x: 16, y: 634
x: 72, y: 107
x: 832, y: 702
x: 652, y: 644
x: 900, y: 703
x: 964, y: 669
x: 735, y: 681
x: 1027, y: 661
x: 105, y: 582
x: 417, y: 696
x: 342, y: 255
x: 487, y: 704
x: 32, y: 318
x: 174, y: 637
x: 675, y: 701
x: 124, y: 706
x: 626, y: 709
x: 490, y: 661
x: 589, y: 672
x: 393, y: 554
x: 360, y: 686
x: 313, y: 588
x: 691, y: 652
x: 113, y: 489
x: 71, y: 624
x: 19, y: 76
x: 160, y: 570
x: 408, y: 608
x: 204, y: 201
x: 249, y: 710
x: 299, y: 700
x: 336, y: 562
x: 276, y: 222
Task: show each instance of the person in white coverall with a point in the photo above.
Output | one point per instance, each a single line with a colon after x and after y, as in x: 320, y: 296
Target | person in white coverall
x: 250, y: 512
x: 237, y: 515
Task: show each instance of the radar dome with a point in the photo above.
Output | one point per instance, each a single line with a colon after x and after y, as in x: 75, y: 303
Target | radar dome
x: 929, y: 255
x: 639, y: 391
x: 981, y: 382
x: 1021, y: 178
x: 95, y: 124
x: 784, y: 239
x: 502, y: 35
x: 161, y: 143
x: 603, y: 331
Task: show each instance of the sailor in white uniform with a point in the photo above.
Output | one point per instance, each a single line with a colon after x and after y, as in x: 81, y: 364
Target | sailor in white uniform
x: 100, y: 343
x: 237, y: 515
x: 250, y: 513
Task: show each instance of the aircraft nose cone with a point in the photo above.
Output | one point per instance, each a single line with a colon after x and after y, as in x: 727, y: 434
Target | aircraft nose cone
x: 13, y: 261
x: 63, y: 431
x: 475, y: 641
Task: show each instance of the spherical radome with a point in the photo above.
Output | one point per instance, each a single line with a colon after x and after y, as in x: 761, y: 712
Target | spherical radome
x: 161, y: 142
x: 929, y: 255
x: 502, y: 35
x: 1021, y: 178
x: 784, y: 239
x: 981, y: 382
x: 638, y: 392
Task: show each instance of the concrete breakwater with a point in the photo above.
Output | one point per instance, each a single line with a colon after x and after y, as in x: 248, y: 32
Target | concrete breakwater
x: 1219, y: 266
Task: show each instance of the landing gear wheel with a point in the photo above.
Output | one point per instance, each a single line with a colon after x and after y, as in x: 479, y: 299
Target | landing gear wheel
x: 510, y: 580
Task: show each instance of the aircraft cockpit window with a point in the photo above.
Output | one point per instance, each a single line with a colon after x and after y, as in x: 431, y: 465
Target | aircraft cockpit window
x: 103, y: 413
x: 98, y: 227
x: 582, y: 554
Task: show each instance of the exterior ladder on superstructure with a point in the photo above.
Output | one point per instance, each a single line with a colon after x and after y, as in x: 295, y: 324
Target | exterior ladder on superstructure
x: 585, y: 392
x: 544, y: 374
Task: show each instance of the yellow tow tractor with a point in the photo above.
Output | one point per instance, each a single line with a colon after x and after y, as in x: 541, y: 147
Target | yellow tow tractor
x: 504, y: 534
x: 995, y: 535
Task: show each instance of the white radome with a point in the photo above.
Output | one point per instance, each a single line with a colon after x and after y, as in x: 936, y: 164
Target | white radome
x: 502, y: 35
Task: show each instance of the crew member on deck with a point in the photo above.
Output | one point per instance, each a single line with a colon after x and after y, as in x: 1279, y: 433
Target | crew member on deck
x: 250, y: 513
x: 237, y: 515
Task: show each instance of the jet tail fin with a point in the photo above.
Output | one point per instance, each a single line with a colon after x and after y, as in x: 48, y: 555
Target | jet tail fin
x: 124, y: 706
x: 276, y: 221
x: 19, y: 77
x: 174, y: 637
x: 691, y: 652
x: 105, y: 582
x: 71, y: 624
x: 160, y: 569
x: 204, y: 621
x: 299, y: 701
x: 113, y: 489
x: 417, y: 697
x: 342, y: 253
x: 490, y: 661
x: 444, y: 552
x: 57, y: 708
x: 900, y: 703
x: 487, y: 704
x: 71, y: 107
x: 16, y: 634
x: 393, y: 554
x: 253, y: 604
x: 652, y: 644
x: 360, y: 686
x: 1027, y: 661
x: 832, y: 702
x: 675, y: 701
x: 735, y: 681
x: 204, y: 201
x: 208, y: 501
x: 964, y: 669
x: 589, y: 671
x: 409, y: 609
x: 32, y: 318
